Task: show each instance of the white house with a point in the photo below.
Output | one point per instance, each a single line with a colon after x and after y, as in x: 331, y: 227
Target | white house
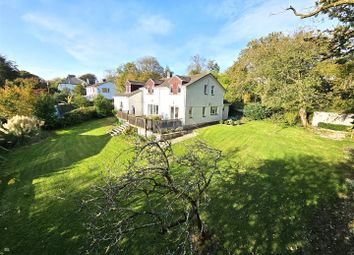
x: 106, y: 89
x: 195, y: 99
x: 70, y: 83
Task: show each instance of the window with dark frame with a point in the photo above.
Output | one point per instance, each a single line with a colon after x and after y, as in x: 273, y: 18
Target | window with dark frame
x: 203, y: 111
x: 190, y: 112
x: 205, y: 89
x: 212, y: 90
x: 213, y: 110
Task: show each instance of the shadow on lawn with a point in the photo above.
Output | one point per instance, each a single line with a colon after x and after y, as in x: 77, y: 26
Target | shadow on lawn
x: 269, y: 210
x: 28, y: 228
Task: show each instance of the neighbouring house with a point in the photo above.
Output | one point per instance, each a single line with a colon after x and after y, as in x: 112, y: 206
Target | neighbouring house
x: 71, y: 82
x: 194, y: 100
x: 106, y: 89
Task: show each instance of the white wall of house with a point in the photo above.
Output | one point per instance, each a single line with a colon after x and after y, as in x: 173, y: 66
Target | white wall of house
x: 332, y: 118
x: 107, y: 90
x: 136, y: 103
x: 171, y: 106
x: 121, y: 103
x: 196, y: 99
x: 164, y: 99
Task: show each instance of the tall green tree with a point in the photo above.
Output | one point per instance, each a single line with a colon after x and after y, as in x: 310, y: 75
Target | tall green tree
x: 140, y: 70
x: 149, y: 67
x: 91, y: 78
x: 280, y: 70
x: 8, y: 70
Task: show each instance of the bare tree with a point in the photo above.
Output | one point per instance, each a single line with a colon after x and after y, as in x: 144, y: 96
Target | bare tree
x: 323, y: 6
x: 158, y: 192
x: 197, y: 65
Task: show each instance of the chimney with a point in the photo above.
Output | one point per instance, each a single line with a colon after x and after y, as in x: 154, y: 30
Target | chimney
x: 88, y: 81
x: 169, y: 74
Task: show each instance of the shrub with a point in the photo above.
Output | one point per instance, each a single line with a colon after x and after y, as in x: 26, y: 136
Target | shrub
x: 79, y: 90
x: 80, y: 101
x: 64, y: 107
x: 153, y: 117
x: 277, y: 117
x: 130, y: 130
x: 45, y: 109
x: 61, y: 96
x: 20, y: 128
x: 244, y: 120
x: 291, y: 118
x: 77, y: 116
x: 255, y: 111
x: 103, y: 106
x: 15, y: 100
x: 335, y: 127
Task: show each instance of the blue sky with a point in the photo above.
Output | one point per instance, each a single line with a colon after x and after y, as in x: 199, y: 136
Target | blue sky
x: 53, y: 38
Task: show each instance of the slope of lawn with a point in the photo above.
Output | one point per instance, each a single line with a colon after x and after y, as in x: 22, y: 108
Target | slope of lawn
x: 263, y: 203
x: 40, y: 212
x: 271, y: 199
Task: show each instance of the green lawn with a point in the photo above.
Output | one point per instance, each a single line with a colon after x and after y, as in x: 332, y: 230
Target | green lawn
x: 263, y: 204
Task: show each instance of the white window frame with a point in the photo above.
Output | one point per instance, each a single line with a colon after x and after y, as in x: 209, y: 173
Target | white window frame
x: 212, y: 90
x: 153, y: 109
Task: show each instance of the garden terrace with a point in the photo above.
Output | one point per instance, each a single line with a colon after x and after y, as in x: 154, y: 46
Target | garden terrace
x: 154, y: 125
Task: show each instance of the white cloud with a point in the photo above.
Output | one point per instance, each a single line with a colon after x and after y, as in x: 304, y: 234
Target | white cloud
x: 154, y: 24
x: 104, y: 47
x: 251, y: 20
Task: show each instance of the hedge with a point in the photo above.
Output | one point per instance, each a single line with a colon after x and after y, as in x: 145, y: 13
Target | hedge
x: 256, y: 111
x: 335, y: 127
x: 77, y: 116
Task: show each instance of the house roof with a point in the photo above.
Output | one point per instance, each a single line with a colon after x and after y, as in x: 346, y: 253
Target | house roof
x: 98, y: 84
x: 72, y: 79
x: 186, y: 80
x: 136, y: 82
x: 129, y: 94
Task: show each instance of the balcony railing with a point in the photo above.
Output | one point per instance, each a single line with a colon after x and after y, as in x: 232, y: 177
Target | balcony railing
x: 156, y: 126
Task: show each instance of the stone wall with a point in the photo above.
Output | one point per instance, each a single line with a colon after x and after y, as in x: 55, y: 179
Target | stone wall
x: 332, y: 118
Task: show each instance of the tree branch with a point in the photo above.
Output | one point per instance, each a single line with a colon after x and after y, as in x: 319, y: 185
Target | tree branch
x: 320, y: 8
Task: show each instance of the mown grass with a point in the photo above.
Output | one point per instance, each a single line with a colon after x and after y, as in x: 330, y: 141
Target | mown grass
x: 270, y: 199
x: 264, y: 203
x: 40, y: 212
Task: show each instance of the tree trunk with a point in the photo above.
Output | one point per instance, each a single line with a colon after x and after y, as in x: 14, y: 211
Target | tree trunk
x: 303, y: 116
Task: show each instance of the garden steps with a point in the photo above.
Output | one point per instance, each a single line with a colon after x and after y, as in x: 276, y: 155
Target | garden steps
x: 119, y: 130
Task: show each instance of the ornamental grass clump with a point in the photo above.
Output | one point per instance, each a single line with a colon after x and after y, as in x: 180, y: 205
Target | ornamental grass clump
x: 19, y: 128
